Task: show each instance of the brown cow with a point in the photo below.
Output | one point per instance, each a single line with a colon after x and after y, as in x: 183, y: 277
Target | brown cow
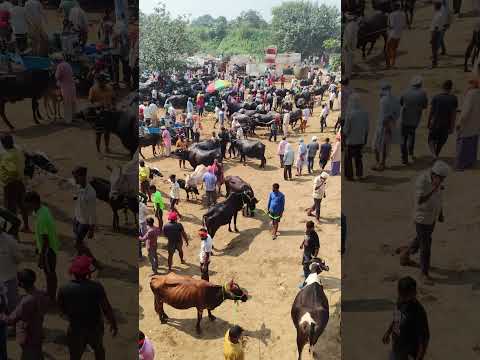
x: 185, y: 292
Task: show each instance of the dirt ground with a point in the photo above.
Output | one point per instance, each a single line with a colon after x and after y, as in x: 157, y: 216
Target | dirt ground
x: 67, y: 147
x: 269, y: 269
x: 379, y: 214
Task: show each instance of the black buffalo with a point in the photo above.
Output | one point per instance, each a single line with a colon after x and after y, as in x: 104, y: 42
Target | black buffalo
x: 235, y: 184
x: 196, y: 156
x: 149, y: 140
x: 370, y: 29
x: 251, y: 148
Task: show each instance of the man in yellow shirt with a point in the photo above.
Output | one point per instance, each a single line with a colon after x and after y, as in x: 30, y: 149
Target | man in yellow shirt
x: 144, y: 178
x: 12, y: 167
x: 101, y: 94
x: 232, y: 345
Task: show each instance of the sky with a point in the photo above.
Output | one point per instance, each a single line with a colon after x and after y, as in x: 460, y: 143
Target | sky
x: 229, y: 9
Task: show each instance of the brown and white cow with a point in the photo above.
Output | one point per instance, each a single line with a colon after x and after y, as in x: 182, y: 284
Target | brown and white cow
x: 185, y: 292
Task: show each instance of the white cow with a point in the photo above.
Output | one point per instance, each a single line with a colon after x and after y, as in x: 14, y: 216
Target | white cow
x: 196, y: 177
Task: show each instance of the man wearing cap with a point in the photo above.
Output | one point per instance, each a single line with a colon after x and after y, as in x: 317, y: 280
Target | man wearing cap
x: 84, y: 302
x: 413, y: 102
x: 206, y: 247
x: 312, y: 149
x: 174, y: 232
x: 85, y: 211
x: 428, y: 208
x: 319, y: 184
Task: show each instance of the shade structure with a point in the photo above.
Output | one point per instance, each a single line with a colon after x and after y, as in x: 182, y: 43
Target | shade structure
x: 218, y: 85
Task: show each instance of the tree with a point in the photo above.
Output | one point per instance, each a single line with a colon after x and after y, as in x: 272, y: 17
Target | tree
x: 165, y: 42
x: 250, y: 18
x: 301, y: 26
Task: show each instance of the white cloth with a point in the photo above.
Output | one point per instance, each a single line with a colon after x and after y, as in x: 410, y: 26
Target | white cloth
x: 206, y: 246
x: 18, y: 20
x: 143, y: 212
x: 78, y: 18
x: 427, y: 212
x: 34, y: 13
x: 86, y: 205
x: 437, y: 21
x: 313, y: 278
x: 397, y: 22
x: 174, y: 190
x: 320, y: 183
x: 8, y: 257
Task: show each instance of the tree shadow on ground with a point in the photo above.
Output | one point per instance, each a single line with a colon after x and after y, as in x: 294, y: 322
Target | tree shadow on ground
x: 367, y: 305
x: 241, y: 243
x: 384, y: 181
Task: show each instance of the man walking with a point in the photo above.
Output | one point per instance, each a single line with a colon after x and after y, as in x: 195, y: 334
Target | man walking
x: 150, y: 238
x: 312, y: 149
x: 323, y: 117
x: 396, y: 24
x: 441, y: 120
x: 310, y: 245
x: 210, y: 181
x: 413, y: 102
x: 428, y: 208
x: 174, y: 232
x: 281, y: 149
x: 276, y: 206
x: 47, y: 242
x: 206, y: 247
x: 325, y: 153
x: 355, y: 132
x: 319, y: 184
x: 85, y: 212
x: 84, y: 303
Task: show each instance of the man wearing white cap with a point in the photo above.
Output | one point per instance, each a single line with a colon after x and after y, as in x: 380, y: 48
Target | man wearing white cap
x: 312, y: 149
x: 413, y: 102
x: 428, y: 208
x: 319, y: 184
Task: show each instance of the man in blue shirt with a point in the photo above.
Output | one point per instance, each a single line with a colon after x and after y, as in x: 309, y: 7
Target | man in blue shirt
x: 276, y: 206
x: 210, y: 181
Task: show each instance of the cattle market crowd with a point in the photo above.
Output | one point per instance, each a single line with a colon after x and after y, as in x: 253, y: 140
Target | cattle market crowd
x: 175, y: 113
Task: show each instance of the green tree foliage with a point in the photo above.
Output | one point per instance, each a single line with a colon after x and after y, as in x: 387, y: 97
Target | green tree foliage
x: 165, y: 41
x: 303, y: 27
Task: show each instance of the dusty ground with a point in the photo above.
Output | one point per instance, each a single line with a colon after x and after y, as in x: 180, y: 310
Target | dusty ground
x: 268, y: 269
x: 68, y: 147
x: 379, y: 216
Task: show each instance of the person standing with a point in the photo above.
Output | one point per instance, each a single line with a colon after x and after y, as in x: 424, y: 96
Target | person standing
x: 325, y: 153
x: 29, y: 314
x: 174, y: 232
x: 349, y: 45
x: 396, y: 23
x: 174, y: 193
x: 19, y: 25
x: 144, y: 178
x: 323, y: 117
x: 468, y: 131
x: 66, y: 83
x: 336, y: 157
x: 150, y: 238
x: 36, y: 27
x: 182, y: 146
x: 274, y: 125
x: 12, y: 169
x: 428, y: 209
x: 167, y: 141
x: 413, y: 102
x: 206, y: 248
x: 355, y: 132
x: 158, y: 204
x: 9, y: 260
x: 79, y: 20
x: 85, y: 212
x: 276, y: 207
x: 312, y: 149
x: 224, y: 140
x: 189, y: 106
x: 146, y: 351
x: 286, y: 122
x: 386, y: 132
x: 84, y: 303
x: 319, y: 184
x: 232, y: 344
x: 47, y: 242
x: 441, y: 120
x: 305, y: 117
x: 288, y: 159
x: 436, y: 29
x: 200, y: 104
x: 301, y: 156
x: 281, y: 149
x: 409, y: 329
x: 210, y: 181
x: 310, y: 245
x: 332, y: 98
x: 189, y: 126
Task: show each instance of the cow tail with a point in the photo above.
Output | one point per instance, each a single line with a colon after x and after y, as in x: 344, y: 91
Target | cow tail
x: 311, y: 334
